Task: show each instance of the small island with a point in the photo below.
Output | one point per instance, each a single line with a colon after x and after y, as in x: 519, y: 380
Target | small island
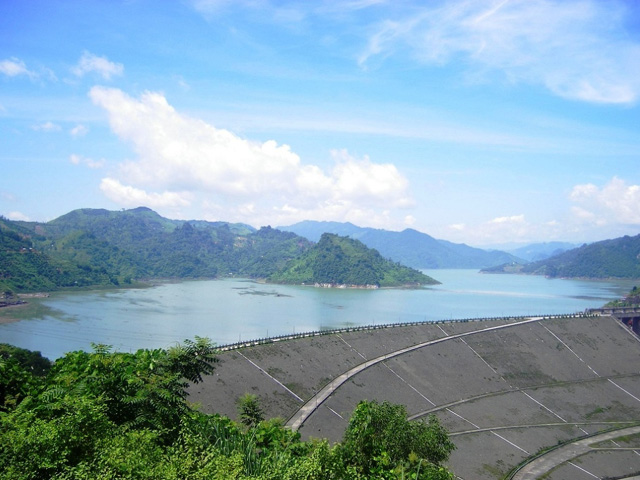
x: 342, y: 262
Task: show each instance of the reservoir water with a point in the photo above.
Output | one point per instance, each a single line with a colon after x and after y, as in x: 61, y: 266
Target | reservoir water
x: 232, y: 310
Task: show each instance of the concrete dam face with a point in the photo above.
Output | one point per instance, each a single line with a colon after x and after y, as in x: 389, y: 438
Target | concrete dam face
x: 505, y: 388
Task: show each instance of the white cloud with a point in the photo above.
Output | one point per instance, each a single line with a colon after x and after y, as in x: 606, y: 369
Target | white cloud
x: 512, y: 220
x: 596, y: 212
x: 135, y: 197
x: 47, y: 127
x: 18, y: 216
x: 78, y: 131
x: 363, y: 180
x: 409, y: 220
x: 80, y: 160
x: 516, y: 228
x: 577, y: 49
x: 101, y: 65
x: 177, y: 153
x: 614, y: 202
x: 14, y: 67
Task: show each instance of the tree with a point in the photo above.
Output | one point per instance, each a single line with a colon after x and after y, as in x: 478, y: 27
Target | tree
x: 249, y: 410
x: 146, y: 389
x: 379, y: 437
x: 21, y: 373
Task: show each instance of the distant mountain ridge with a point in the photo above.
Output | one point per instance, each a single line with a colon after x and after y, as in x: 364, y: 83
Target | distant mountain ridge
x: 616, y: 258
x: 409, y: 247
x: 539, y: 251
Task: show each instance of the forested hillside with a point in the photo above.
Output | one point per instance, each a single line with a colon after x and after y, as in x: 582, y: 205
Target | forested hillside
x: 30, y: 262
x: 90, y: 247
x: 339, y: 260
x: 98, y: 247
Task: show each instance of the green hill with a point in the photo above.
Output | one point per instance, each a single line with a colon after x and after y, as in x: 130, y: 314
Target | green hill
x: 31, y: 262
x: 336, y: 260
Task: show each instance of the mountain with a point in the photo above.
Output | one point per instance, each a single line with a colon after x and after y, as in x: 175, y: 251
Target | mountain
x: 91, y: 247
x: 337, y: 260
x: 408, y: 247
x: 617, y: 258
x: 540, y: 251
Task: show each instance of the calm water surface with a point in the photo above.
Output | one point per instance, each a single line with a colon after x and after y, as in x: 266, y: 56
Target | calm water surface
x: 231, y: 310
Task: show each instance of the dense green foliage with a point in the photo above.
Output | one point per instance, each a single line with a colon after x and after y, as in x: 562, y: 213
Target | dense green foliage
x: 99, y: 247
x: 20, y: 370
x: 409, y: 247
x: 105, y: 415
x: 339, y: 260
x: 30, y: 262
x: 380, y: 435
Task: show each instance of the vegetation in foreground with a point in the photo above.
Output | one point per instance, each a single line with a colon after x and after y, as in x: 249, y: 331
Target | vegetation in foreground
x: 106, y: 415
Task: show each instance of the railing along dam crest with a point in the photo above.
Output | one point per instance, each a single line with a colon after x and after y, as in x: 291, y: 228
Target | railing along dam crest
x: 333, y: 331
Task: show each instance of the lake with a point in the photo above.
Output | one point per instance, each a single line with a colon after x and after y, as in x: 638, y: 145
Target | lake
x: 231, y: 310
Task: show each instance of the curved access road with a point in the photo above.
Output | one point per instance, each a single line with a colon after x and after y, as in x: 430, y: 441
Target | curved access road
x: 546, y: 462
x: 298, y: 418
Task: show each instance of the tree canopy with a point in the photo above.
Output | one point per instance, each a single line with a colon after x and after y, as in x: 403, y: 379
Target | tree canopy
x: 110, y: 415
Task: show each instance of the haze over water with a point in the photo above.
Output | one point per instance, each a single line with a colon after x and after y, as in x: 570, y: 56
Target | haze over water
x: 232, y: 310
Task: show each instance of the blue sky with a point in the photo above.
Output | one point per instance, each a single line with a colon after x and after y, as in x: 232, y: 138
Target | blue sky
x: 484, y: 122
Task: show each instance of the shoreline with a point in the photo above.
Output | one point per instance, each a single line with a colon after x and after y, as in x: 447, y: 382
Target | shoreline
x: 13, y: 306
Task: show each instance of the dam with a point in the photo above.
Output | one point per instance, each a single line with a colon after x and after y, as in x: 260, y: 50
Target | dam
x: 629, y: 316
x: 507, y: 389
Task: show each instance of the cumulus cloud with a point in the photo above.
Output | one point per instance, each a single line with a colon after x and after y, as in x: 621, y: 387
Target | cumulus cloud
x: 14, y: 67
x: 516, y: 228
x: 101, y: 65
x: 78, y: 131
x: 133, y: 197
x: 47, y: 127
x: 89, y: 162
x: 178, y: 153
x: 616, y: 201
x: 577, y: 48
x: 512, y: 220
x: 18, y: 216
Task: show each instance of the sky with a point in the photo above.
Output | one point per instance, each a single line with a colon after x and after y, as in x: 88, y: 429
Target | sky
x: 485, y: 122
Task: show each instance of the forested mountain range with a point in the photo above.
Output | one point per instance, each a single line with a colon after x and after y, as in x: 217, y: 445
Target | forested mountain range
x: 409, y: 247
x: 91, y: 247
x: 616, y: 258
x: 99, y: 247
